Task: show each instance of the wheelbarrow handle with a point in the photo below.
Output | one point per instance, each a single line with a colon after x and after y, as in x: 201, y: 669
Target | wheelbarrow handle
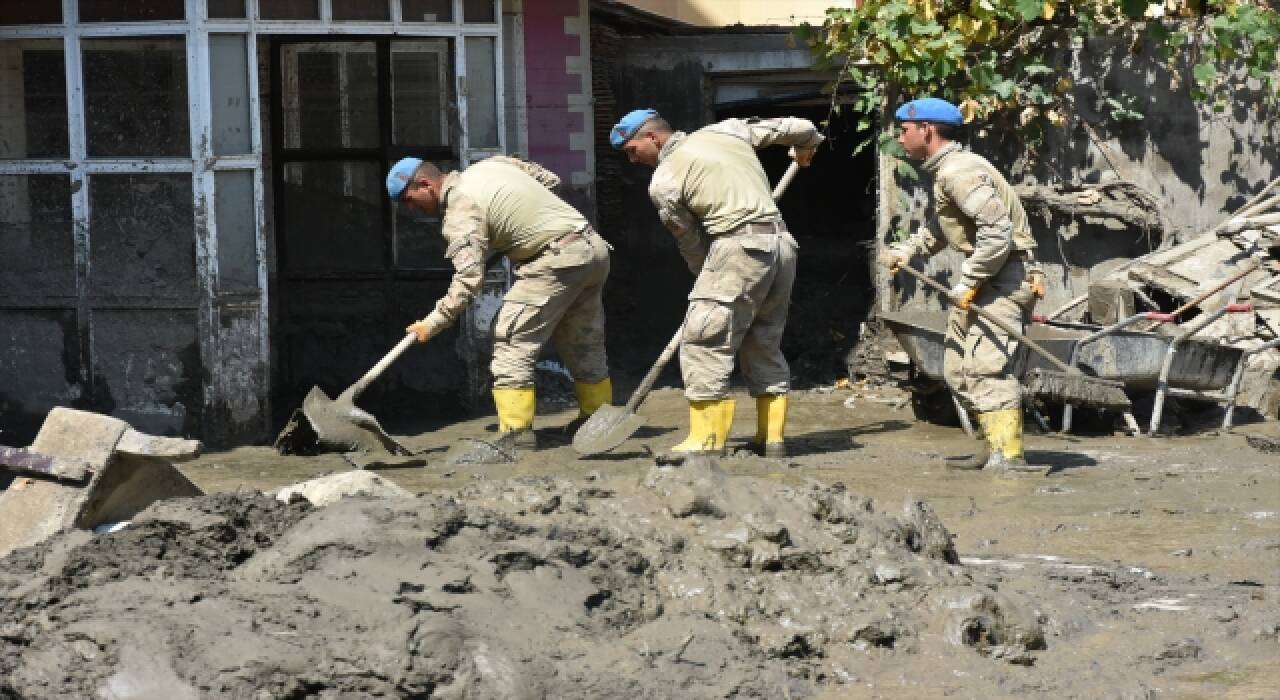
x: 1199, y: 298
x: 1000, y: 322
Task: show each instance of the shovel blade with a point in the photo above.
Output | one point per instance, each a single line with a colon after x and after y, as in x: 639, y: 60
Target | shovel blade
x: 607, y: 428
x: 340, y: 426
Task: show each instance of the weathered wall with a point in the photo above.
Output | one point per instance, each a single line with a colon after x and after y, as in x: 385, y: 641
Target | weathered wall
x: 557, y: 71
x: 1199, y: 165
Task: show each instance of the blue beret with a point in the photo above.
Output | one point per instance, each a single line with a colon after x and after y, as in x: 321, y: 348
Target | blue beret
x: 930, y: 109
x: 400, y: 175
x: 630, y: 124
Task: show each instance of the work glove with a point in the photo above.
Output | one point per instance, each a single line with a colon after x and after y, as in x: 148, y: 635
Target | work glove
x: 1036, y: 282
x: 422, y: 329
x: 892, y: 260
x: 962, y: 296
x: 803, y: 156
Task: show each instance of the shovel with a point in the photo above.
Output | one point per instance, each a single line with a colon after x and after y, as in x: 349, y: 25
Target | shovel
x: 338, y: 424
x: 610, y: 426
x: 1067, y: 385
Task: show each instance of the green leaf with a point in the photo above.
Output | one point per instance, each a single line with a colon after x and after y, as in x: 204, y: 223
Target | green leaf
x: 905, y: 170
x: 1038, y: 69
x: 1030, y: 9
x: 1133, y: 9
x: 1205, y: 73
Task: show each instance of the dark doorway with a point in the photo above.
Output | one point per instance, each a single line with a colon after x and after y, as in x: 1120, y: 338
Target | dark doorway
x: 352, y: 268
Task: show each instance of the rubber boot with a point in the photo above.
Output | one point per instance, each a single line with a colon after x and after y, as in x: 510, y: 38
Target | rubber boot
x: 515, y: 415
x: 771, y: 422
x: 709, y: 423
x: 591, y: 396
x: 1004, y: 433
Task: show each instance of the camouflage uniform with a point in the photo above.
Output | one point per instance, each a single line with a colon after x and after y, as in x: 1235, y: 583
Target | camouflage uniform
x: 505, y: 205
x: 713, y: 195
x: 980, y: 215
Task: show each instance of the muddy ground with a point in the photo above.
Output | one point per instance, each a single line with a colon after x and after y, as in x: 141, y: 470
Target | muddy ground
x: 1135, y: 568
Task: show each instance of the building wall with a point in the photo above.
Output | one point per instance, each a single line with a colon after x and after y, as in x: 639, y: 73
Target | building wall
x: 557, y: 74
x: 714, y: 13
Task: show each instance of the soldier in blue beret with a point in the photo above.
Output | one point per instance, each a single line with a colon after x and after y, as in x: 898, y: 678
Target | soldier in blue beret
x: 713, y: 195
x: 979, y: 214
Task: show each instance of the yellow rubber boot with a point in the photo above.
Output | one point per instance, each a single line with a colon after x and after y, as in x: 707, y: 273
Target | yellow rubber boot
x: 592, y: 395
x: 708, y: 430
x: 1004, y: 433
x: 771, y: 422
x: 515, y: 414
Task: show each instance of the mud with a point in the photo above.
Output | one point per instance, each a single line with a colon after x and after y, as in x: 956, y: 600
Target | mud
x: 1137, y: 568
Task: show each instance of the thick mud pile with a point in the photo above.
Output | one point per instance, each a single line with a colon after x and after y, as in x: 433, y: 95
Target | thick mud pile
x: 683, y: 583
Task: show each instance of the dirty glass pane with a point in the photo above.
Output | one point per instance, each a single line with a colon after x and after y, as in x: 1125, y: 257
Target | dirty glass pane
x: 482, y: 93
x: 333, y: 217
x: 229, y: 89
x: 142, y: 237
x: 237, y: 241
x: 33, y: 99
x: 46, y: 12
x: 330, y: 95
x: 226, y: 9
x: 477, y: 11
x: 426, y: 10
x: 135, y: 97
x: 36, y: 244
x: 288, y: 9
x: 421, y: 79
x: 361, y: 9
x: 130, y: 10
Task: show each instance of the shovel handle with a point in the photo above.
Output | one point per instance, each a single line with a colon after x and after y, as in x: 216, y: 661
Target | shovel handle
x: 785, y: 180
x: 647, y: 383
x: 377, y: 370
x: 1003, y: 324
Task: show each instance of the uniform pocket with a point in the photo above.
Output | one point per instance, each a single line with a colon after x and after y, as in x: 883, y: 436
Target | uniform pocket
x: 708, y: 323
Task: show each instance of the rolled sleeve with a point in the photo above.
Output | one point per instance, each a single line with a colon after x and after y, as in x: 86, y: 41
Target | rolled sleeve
x: 783, y: 131
x: 681, y: 222
x: 466, y: 236
x: 977, y: 198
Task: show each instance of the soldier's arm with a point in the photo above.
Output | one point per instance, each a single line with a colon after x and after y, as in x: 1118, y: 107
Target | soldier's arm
x: 762, y: 133
x: 925, y: 241
x: 544, y: 177
x: 681, y: 222
x: 465, y: 232
x: 977, y: 198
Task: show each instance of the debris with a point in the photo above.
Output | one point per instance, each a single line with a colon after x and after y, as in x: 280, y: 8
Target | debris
x: 327, y: 490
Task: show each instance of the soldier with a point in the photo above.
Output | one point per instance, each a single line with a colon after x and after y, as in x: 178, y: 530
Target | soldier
x: 713, y: 195
x: 979, y: 214
x: 505, y: 206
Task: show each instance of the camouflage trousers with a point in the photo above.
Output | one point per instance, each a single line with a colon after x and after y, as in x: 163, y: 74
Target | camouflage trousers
x: 977, y: 355
x: 556, y: 297
x: 738, y: 307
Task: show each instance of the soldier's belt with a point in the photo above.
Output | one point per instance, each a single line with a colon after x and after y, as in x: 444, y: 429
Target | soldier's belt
x: 756, y: 228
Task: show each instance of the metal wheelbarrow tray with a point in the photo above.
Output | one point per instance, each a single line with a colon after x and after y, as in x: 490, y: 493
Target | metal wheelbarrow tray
x: 1132, y: 357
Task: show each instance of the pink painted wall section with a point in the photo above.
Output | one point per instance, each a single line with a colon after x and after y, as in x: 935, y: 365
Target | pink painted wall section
x: 557, y: 85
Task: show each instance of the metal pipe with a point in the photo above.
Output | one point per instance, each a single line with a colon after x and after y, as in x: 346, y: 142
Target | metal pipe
x: 1162, y: 388
x: 1234, y: 387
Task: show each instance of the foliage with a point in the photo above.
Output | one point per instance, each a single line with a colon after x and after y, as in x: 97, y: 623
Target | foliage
x: 1003, y: 60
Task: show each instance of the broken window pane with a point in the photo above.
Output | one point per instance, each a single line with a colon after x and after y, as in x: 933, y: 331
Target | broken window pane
x: 330, y: 95
x: 333, y: 217
x: 142, y: 237
x: 33, y: 99
x: 36, y: 241
x: 477, y: 11
x: 361, y: 9
x: 48, y: 12
x: 226, y: 9
x: 420, y: 92
x: 135, y: 97
x: 288, y: 9
x: 130, y: 10
x: 229, y: 90
x: 237, y: 240
x: 426, y: 10
x: 482, y: 93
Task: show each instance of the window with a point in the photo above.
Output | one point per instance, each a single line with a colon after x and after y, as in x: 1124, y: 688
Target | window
x: 33, y: 99
x: 135, y: 97
x: 130, y: 10
x: 426, y: 10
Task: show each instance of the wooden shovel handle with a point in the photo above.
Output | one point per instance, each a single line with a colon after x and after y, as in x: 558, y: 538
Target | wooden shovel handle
x: 1003, y: 324
x: 382, y: 365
